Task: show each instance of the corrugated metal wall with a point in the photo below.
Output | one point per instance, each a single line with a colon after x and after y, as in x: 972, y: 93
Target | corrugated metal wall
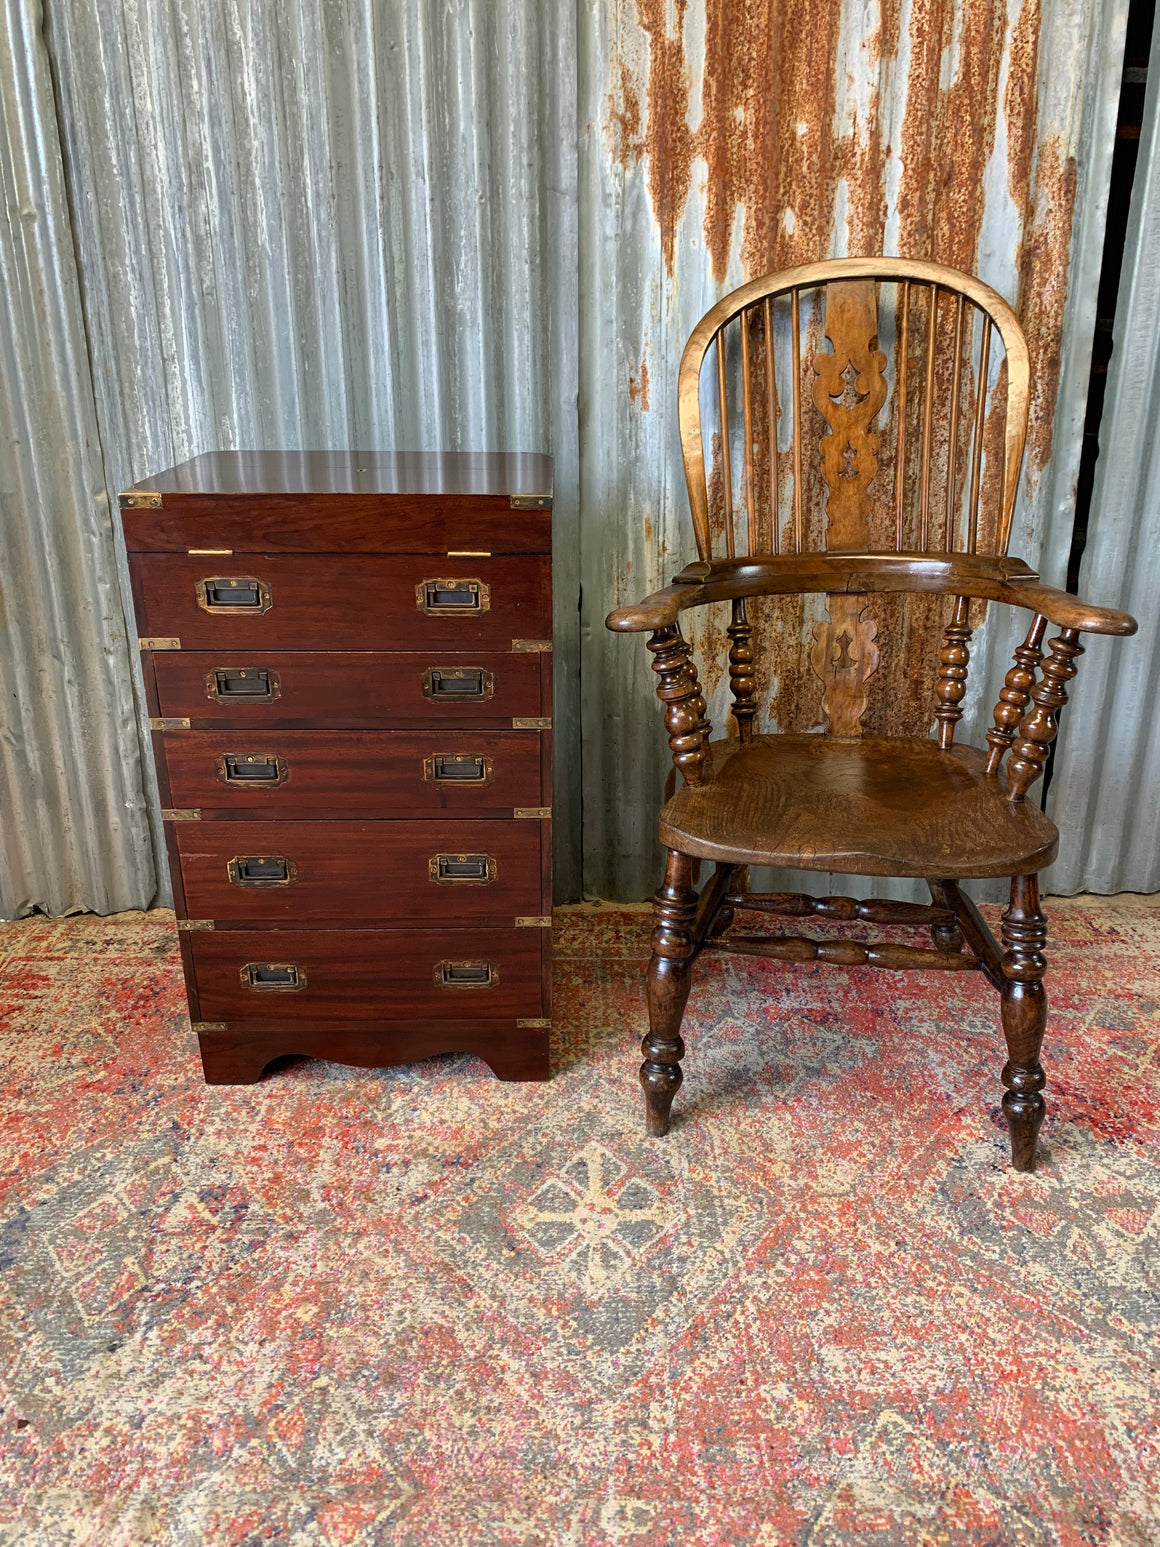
x: 1105, y: 793
x: 475, y: 225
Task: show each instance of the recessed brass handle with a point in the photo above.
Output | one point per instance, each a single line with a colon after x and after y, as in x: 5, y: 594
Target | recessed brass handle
x: 253, y: 769
x: 448, y: 869
x: 261, y: 870
x: 273, y: 977
x: 457, y: 684
x: 243, y: 684
x: 463, y: 598
x: 233, y: 594
x: 466, y: 974
x: 457, y: 768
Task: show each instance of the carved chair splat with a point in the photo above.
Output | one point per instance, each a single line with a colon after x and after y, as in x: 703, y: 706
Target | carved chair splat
x: 907, y: 386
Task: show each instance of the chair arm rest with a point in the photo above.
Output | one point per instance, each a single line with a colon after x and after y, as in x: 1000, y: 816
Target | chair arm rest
x: 657, y: 611
x: 1004, y: 580
x: 1067, y: 611
x: 722, y: 580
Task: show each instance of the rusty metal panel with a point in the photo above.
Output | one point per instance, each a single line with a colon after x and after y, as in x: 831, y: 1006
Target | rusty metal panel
x: 725, y: 141
x: 1105, y: 793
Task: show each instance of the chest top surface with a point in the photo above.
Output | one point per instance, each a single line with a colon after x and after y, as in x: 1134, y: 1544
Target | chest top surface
x: 406, y: 473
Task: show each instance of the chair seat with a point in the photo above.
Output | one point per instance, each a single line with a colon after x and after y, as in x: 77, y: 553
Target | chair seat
x: 872, y: 806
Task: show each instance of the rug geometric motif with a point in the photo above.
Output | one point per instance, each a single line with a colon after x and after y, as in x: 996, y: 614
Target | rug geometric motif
x: 415, y: 1306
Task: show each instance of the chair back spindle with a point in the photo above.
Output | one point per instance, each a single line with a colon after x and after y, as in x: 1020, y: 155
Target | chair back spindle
x: 771, y: 426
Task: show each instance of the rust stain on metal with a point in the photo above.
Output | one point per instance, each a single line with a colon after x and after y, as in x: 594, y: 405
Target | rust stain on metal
x: 667, y: 142
x: 1043, y: 268
x: 779, y: 133
x: 712, y: 645
x: 625, y: 115
x: 718, y: 516
x: 638, y: 387
x: 764, y: 105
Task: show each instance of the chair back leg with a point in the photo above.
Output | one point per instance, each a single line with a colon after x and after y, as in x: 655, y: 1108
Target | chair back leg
x: 669, y: 975
x: 946, y: 934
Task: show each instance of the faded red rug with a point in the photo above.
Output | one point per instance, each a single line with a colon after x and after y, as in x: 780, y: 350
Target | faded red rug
x: 417, y: 1306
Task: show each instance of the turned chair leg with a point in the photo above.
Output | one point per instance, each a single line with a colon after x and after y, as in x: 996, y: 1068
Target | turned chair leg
x: 1024, y: 934
x: 738, y: 881
x: 669, y: 976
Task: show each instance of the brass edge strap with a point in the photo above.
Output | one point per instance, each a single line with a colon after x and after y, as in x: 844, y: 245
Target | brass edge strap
x: 180, y: 814
x: 209, y: 1025
x: 529, y: 502
x: 544, y: 723
x: 195, y: 924
x: 159, y: 644
x: 532, y: 644
x: 140, y: 499
x: 533, y: 921
x: 533, y: 813
x: 533, y: 1022
x: 168, y: 725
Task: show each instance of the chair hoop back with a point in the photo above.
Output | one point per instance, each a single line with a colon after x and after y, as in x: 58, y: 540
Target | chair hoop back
x: 960, y: 444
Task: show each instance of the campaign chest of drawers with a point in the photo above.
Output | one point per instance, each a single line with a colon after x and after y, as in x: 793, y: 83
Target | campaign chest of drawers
x: 347, y: 659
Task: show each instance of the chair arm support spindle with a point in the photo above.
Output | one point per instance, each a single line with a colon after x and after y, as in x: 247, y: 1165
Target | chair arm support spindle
x: 679, y: 690
x: 954, y: 661
x: 1015, y: 694
x: 1039, y: 726
x: 742, y: 679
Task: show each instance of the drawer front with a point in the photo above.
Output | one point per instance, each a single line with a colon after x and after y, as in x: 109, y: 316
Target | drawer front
x: 339, y: 602
x: 361, y: 773
x: 375, y: 872
x: 342, y: 523
x: 346, y: 690
x: 338, y: 975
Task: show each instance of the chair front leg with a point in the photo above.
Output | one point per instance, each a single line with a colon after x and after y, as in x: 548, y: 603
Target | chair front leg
x: 669, y: 976
x: 1024, y: 934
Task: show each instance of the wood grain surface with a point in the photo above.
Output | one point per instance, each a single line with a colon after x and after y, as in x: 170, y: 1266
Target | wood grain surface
x: 372, y: 872
x: 352, y: 690
x: 874, y: 806
x: 346, y: 502
x: 335, y: 602
x: 236, y: 1053
x: 356, y: 773
x: 367, y: 974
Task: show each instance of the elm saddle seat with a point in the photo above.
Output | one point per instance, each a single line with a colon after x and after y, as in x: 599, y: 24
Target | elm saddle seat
x: 870, y: 806
x: 814, y: 512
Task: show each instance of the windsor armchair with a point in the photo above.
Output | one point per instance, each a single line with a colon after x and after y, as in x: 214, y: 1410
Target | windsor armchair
x: 888, y: 490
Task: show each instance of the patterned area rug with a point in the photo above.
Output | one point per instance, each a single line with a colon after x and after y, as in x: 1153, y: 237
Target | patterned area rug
x: 417, y: 1306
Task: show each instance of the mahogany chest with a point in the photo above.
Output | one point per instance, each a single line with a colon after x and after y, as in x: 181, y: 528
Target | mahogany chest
x: 347, y: 659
